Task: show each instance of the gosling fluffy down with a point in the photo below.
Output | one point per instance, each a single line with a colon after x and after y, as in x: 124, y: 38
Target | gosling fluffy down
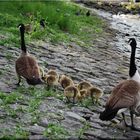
x: 95, y: 93
x: 51, y: 78
x: 65, y: 81
x: 52, y: 72
x: 83, y: 94
x: 72, y: 92
x: 84, y: 85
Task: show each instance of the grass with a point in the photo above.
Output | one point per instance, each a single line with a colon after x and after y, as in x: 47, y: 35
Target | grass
x: 81, y: 131
x: 23, y: 101
x: 20, y: 133
x: 55, y: 131
x: 61, y: 22
x: 62, y: 25
x: 27, y: 101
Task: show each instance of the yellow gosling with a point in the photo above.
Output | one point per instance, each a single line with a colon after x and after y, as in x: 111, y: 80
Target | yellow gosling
x: 84, y: 85
x: 72, y: 92
x: 95, y: 93
x: 65, y: 81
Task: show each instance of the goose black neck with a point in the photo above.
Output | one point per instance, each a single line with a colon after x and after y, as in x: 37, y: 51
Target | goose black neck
x: 133, y: 68
x: 23, y: 47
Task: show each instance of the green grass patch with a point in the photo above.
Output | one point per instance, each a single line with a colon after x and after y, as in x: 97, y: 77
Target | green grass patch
x: 19, y: 133
x: 56, y: 131
x: 10, y: 98
x: 81, y: 131
x: 61, y: 22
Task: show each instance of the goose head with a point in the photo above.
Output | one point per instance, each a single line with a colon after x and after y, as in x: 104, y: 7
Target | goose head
x: 21, y: 27
x: 132, y: 42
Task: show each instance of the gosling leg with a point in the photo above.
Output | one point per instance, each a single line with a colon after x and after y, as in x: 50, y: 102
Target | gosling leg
x: 74, y: 98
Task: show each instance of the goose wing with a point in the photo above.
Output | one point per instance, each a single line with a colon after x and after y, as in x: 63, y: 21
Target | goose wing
x: 123, y: 95
x: 27, y: 67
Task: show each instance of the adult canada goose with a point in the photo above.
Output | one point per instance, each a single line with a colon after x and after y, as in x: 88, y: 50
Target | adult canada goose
x: 72, y: 92
x: 65, y: 81
x: 126, y: 95
x: 42, y: 23
x: 133, y: 72
x: 26, y: 65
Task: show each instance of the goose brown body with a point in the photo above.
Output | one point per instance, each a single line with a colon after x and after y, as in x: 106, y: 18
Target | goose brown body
x: 125, y: 95
x: 26, y: 65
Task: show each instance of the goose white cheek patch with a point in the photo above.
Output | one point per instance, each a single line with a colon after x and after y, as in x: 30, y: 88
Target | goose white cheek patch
x: 136, y: 77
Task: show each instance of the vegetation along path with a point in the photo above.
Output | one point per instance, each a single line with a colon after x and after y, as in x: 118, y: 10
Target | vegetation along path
x: 84, y: 50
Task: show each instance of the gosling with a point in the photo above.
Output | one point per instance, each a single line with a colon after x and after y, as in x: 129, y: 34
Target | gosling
x: 51, y: 78
x: 95, y: 93
x: 84, y: 85
x: 65, y: 81
x: 72, y: 92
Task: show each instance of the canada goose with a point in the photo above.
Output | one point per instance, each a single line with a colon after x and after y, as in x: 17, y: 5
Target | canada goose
x: 26, y: 65
x: 42, y: 23
x: 72, y: 92
x: 65, y: 81
x: 126, y: 95
x: 95, y: 93
x: 133, y: 72
x: 88, y: 13
x: 84, y: 85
